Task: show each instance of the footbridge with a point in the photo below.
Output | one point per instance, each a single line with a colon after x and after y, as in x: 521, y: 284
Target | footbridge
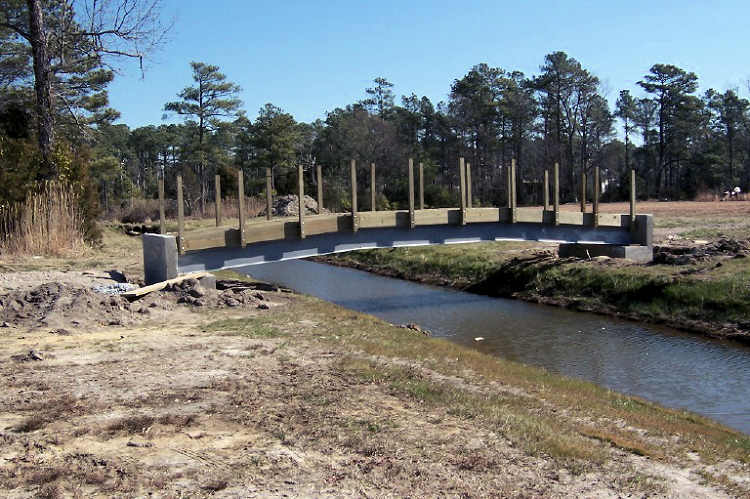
x: 260, y: 241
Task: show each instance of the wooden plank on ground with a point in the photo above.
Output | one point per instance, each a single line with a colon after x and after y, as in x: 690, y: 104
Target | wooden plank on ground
x: 161, y: 285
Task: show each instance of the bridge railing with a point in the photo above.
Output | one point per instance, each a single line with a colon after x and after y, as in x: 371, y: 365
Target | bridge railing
x: 303, y: 225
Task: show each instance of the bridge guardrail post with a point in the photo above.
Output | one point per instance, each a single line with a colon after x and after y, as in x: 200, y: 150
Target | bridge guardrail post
x: 556, y: 193
x: 412, y: 219
x: 462, y: 188
x: 301, y: 200
x: 180, y: 218
x: 355, y: 217
x: 373, y: 191
x: 241, y: 205
x: 597, y: 187
x: 162, y: 215
x: 421, y: 186
x: 217, y: 199
x: 319, y: 174
x: 469, y: 202
x: 632, y: 196
x: 513, y: 192
x: 269, y: 194
x: 583, y: 192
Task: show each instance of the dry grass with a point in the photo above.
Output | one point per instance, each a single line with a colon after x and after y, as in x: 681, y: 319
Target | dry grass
x: 48, y: 222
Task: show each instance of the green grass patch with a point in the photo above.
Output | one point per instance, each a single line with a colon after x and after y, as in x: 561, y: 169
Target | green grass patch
x: 250, y: 327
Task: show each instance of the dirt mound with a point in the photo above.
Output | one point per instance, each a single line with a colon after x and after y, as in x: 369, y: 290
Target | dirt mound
x: 288, y: 206
x: 691, y: 254
x: 57, y: 306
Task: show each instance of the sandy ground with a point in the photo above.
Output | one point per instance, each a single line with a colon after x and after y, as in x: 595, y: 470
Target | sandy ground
x: 184, y: 408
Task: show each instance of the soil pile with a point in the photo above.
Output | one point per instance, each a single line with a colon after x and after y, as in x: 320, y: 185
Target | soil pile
x: 691, y: 254
x: 59, y: 305
x: 288, y: 206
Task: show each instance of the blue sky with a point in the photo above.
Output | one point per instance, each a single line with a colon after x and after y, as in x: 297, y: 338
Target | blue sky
x: 309, y: 57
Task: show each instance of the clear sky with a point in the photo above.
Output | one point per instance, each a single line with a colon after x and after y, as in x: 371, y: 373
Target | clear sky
x: 311, y: 56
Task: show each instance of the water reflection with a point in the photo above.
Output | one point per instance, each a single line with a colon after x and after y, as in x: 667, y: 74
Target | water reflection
x: 676, y: 370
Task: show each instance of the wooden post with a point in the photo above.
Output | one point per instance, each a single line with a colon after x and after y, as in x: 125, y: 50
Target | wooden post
x: 469, y: 203
x: 583, y: 192
x: 509, y: 183
x: 241, y: 204
x: 462, y: 184
x: 217, y: 199
x: 546, y: 190
x: 162, y: 216
x: 632, y: 197
x: 269, y: 195
x: 373, y: 200
x: 319, y: 172
x: 513, y: 190
x: 301, y: 199
x: 180, y: 218
x: 596, y: 196
x: 412, y: 220
x: 556, y: 194
x: 421, y: 186
x: 355, y: 218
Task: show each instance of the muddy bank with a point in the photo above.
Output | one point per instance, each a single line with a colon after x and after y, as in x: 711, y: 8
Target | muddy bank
x: 702, y: 289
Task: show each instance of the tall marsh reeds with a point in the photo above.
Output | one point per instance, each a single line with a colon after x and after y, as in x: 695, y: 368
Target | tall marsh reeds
x: 48, y: 222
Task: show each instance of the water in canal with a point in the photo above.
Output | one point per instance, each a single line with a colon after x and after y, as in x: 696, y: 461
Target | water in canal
x: 676, y: 370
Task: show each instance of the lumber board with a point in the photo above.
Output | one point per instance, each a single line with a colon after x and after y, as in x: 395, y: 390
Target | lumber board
x: 135, y: 293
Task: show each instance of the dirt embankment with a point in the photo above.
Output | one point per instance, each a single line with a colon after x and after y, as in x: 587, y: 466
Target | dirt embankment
x: 67, y: 301
x: 305, y: 399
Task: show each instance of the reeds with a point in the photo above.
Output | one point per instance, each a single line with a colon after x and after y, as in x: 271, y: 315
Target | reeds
x: 48, y: 222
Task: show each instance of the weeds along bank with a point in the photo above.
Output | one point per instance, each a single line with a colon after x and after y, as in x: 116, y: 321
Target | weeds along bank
x: 703, y: 289
x: 306, y: 398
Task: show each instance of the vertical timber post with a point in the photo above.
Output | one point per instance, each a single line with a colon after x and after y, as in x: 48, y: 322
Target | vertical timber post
x: 556, y: 193
x: 301, y: 199
x: 421, y: 186
x: 412, y: 220
x: 373, y: 201
x: 269, y: 194
x: 632, y: 198
x: 513, y: 191
x: 596, y: 197
x: 583, y: 192
x: 180, y: 218
x: 162, y: 215
x: 469, y: 203
x: 462, y: 187
x: 319, y: 172
x: 546, y: 190
x: 355, y: 218
x: 241, y: 204
x: 217, y: 199
x: 509, y: 182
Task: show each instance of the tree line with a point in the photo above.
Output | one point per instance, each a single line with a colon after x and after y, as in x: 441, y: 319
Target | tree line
x: 679, y: 142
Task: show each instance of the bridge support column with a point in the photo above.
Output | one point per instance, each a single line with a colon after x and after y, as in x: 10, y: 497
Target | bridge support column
x: 640, y: 254
x: 159, y: 257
